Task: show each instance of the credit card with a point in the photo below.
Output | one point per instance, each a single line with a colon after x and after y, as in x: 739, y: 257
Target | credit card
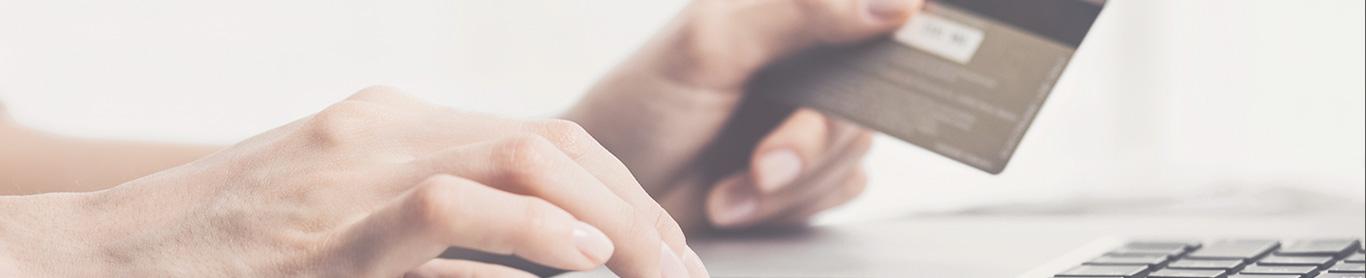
x: 963, y: 78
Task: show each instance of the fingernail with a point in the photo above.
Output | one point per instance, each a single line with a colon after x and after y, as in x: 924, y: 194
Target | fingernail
x: 669, y: 264
x: 738, y: 203
x: 592, y: 242
x: 778, y: 168
x: 695, y: 263
x: 887, y: 9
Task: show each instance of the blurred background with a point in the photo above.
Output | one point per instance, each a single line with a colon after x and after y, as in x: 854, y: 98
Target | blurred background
x: 1228, y: 106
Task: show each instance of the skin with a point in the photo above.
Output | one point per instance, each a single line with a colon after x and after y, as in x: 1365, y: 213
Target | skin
x: 692, y: 142
x: 683, y: 89
x: 33, y: 162
x: 713, y: 160
x: 367, y: 187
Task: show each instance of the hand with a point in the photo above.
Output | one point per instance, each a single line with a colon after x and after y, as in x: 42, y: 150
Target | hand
x: 374, y: 186
x: 670, y: 112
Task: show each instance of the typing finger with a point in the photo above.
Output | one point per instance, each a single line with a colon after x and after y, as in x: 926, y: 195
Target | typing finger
x: 448, y: 211
x: 533, y: 165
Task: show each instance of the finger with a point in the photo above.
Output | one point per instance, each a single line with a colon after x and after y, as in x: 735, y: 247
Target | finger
x: 833, y: 179
x: 735, y: 203
x: 790, y: 155
x: 576, y: 142
x: 443, y: 268
x: 532, y: 165
x: 732, y: 201
x: 853, y: 186
x: 447, y: 211
x: 780, y: 210
x: 784, y: 153
x: 785, y: 26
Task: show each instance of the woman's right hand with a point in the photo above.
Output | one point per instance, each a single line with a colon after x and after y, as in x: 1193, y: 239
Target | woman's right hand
x: 377, y: 185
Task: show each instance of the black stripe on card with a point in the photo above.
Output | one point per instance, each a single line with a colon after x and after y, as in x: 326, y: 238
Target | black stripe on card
x: 1064, y: 21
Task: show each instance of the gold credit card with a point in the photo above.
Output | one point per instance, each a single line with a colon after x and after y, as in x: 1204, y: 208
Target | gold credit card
x: 963, y: 78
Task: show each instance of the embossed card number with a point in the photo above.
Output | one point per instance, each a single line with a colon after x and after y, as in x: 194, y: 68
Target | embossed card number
x: 943, y: 37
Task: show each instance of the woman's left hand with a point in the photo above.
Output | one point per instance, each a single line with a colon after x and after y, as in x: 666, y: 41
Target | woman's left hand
x: 670, y: 113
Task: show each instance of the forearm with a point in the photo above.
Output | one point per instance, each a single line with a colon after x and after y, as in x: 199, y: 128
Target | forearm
x: 34, y: 162
x: 40, y: 236
x: 9, y: 263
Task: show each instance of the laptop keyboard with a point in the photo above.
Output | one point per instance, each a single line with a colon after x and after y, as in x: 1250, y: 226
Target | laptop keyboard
x: 1235, y: 258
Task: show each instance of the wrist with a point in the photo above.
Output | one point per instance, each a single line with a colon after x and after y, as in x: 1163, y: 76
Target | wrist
x: 8, y: 128
x: 707, y: 46
x: 46, y: 235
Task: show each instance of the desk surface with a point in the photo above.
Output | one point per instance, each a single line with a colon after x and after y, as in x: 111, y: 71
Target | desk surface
x: 979, y: 246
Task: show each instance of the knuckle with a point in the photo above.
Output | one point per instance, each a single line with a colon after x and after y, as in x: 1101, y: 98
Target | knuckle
x: 538, y: 219
x: 433, y: 203
x: 636, y: 223
x: 347, y: 109
x: 340, y: 121
x: 562, y: 127
x: 568, y: 136
x: 537, y: 215
x: 666, y: 224
x: 524, y: 156
x: 650, y: 219
x: 376, y: 92
x: 652, y: 224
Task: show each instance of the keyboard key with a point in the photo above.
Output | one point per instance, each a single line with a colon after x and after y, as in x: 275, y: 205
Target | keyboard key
x: 1186, y: 273
x: 1234, y: 249
x: 1346, y: 267
x: 1356, y: 258
x: 1340, y: 275
x: 1104, y: 271
x: 1150, y: 250
x: 1287, y: 260
x: 1265, y: 276
x: 1259, y: 269
x: 1129, y: 260
x: 1163, y: 243
x: 1321, y: 247
x: 1205, y: 264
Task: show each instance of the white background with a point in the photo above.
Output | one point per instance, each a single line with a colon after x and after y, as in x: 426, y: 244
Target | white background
x: 1166, y: 97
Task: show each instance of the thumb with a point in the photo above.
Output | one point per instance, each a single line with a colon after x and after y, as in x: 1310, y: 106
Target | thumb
x: 734, y: 39
x: 787, y: 151
x: 786, y: 26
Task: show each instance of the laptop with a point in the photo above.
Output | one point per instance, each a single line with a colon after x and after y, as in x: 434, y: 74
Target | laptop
x: 1317, y: 244
x: 1213, y: 258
